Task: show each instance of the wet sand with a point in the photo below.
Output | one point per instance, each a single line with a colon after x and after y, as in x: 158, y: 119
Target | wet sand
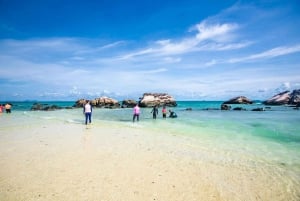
x: 114, y: 162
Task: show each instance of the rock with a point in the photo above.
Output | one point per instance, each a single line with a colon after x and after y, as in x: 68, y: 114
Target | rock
x: 225, y: 107
x: 36, y: 106
x: 159, y: 99
x: 45, y: 107
x: 52, y: 107
x: 238, y: 108
x: 103, y: 102
x: 282, y: 98
x: 258, y: 109
x: 211, y: 108
x: 79, y: 103
x: 295, y: 97
x: 239, y: 100
x: 128, y: 103
x: 285, y: 98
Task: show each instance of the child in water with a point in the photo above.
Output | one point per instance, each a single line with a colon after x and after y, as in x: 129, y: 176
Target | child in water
x: 164, y: 112
x: 172, y: 114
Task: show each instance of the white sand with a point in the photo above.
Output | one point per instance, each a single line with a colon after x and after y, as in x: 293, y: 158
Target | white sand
x: 123, y: 162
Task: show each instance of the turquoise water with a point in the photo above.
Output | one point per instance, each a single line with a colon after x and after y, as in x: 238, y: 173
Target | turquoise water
x: 278, y: 124
x: 266, y: 141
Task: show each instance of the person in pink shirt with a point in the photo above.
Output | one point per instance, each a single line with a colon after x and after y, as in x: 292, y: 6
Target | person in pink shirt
x: 1, y: 108
x: 136, y: 113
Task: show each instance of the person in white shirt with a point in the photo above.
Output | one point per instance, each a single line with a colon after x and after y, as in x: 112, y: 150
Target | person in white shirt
x: 87, y: 111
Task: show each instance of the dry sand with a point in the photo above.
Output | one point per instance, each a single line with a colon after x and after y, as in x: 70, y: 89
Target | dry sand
x: 113, y: 162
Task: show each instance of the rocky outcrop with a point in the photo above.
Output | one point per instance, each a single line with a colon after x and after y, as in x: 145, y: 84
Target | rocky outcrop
x: 128, y: 103
x: 282, y: 98
x: 159, y: 99
x: 102, y: 102
x: 79, y: 103
x: 45, y: 107
x: 105, y: 102
x: 285, y: 98
x: 239, y: 100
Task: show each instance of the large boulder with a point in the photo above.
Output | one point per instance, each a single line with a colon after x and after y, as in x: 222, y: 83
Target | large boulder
x: 103, y: 102
x: 239, y: 100
x: 79, y: 103
x: 159, y: 99
x: 282, y: 98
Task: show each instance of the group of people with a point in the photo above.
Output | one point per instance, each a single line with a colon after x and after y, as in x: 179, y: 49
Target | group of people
x: 154, y: 111
x: 87, y: 111
x: 5, y: 107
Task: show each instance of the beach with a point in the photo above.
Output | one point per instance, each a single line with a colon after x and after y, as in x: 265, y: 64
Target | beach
x: 54, y: 156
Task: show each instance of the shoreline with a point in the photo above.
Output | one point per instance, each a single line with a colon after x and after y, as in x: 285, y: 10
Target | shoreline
x: 110, y: 161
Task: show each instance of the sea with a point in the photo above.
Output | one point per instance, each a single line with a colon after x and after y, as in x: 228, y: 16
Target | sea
x: 244, y: 137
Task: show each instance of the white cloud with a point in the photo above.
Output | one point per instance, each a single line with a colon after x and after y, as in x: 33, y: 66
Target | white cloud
x: 207, y: 37
x: 275, y: 52
x: 154, y: 71
x: 210, y: 63
x: 215, y: 32
x: 171, y: 59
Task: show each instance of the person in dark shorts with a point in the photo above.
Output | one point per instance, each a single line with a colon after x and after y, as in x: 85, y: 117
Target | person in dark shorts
x: 136, y: 113
x: 8, y: 108
x: 164, y: 112
x: 154, y: 111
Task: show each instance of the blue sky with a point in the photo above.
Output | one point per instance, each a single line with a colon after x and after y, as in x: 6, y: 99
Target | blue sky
x: 195, y: 50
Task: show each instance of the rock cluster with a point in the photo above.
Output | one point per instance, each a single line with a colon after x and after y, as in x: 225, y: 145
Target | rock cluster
x: 284, y: 98
x: 148, y: 100
x: 102, y: 102
x: 105, y: 102
x: 47, y: 107
x: 158, y: 99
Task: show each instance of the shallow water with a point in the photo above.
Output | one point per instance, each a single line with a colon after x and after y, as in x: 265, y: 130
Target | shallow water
x: 267, y: 141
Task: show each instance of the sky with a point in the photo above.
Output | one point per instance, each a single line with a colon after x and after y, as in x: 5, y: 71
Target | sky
x: 192, y: 49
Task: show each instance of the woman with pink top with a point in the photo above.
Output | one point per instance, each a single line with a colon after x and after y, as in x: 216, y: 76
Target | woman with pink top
x: 136, y: 112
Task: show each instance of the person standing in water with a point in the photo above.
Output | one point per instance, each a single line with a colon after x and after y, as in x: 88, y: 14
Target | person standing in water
x: 87, y: 111
x: 1, y: 108
x: 164, y: 112
x: 8, y: 108
x: 154, y: 111
x: 136, y: 113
